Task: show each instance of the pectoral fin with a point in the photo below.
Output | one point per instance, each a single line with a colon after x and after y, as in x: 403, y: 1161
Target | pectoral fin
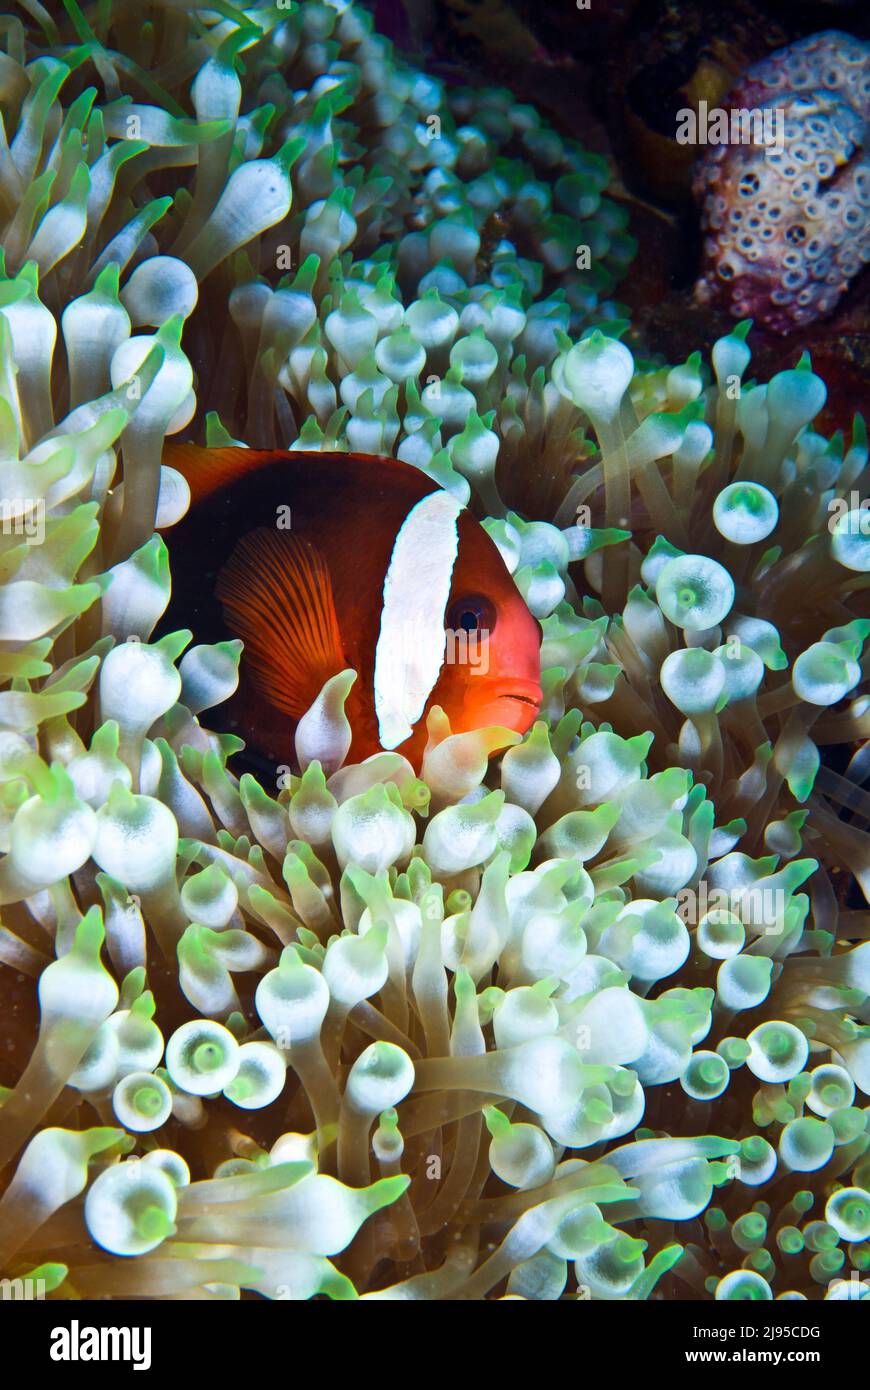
x: 277, y: 597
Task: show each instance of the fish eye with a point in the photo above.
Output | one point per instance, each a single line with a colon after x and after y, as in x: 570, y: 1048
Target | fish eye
x: 471, y: 613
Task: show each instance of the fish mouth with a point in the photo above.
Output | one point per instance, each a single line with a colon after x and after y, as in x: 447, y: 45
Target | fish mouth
x: 525, y: 693
x: 534, y: 702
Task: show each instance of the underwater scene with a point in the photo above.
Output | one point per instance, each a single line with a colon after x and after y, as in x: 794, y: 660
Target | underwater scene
x: 434, y: 655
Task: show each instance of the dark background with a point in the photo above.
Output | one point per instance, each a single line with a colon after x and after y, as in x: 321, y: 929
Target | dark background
x: 614, y: 77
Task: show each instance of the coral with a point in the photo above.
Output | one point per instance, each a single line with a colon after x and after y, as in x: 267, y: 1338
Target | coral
x: 787, y: 227
x: 380, y: 1034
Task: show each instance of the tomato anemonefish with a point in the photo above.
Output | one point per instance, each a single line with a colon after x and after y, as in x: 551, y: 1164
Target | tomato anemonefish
x: 324, y: 561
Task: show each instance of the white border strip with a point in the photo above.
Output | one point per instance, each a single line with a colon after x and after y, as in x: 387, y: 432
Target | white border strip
x: 412, y: 639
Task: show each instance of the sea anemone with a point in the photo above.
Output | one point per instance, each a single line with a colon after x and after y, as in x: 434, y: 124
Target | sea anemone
x: 383, y: 1034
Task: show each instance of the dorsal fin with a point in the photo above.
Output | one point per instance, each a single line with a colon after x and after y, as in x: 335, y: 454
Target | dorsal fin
x: 277, y: 596
x: 206, y: 470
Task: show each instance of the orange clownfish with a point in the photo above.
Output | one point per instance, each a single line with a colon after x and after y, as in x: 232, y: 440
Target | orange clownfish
x: 324, y: 561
